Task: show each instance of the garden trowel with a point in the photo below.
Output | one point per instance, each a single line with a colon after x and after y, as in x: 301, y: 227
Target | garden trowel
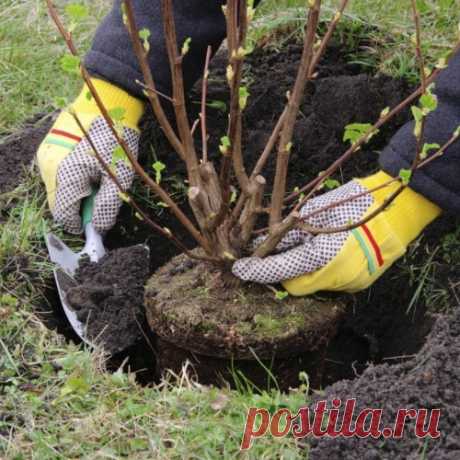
x: 67, y: 262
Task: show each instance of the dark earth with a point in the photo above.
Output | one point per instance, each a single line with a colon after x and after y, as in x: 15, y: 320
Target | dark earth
x: 376, y: 327
x: 112, y: 289
x: 17, y: 150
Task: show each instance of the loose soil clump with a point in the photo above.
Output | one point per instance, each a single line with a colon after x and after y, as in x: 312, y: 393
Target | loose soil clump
x: 197, y: 315
x: 108, y: 298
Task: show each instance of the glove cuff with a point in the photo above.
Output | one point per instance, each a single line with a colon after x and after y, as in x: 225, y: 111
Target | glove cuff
x: 112, y: 97
x: 410, y: 212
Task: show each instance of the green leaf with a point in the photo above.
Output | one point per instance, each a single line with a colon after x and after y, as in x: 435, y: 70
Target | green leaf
x: 76, y: 11
x: 117, y: 114
x: 331, y: 184
x: 158, y: 167
x: 144, y: 35
x: 243, y: 94
x: 405, y: 175
x: 301, y: 195
x: 429, y: 102
x: 88, y: 96
x: 124, y: 197
x: 384, y: 112
x: 123, y: 14
x: 186, y: 46
x: 120, y: 155
x: 281, y: 295
x: 426, y: 150
x: 417, y: 113
x: 218, y: 105
x: 355, y: 131
x: 70, y: 64
x: 225, y: 145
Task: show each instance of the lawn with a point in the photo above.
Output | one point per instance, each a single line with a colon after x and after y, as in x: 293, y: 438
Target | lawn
x: 56, y: 399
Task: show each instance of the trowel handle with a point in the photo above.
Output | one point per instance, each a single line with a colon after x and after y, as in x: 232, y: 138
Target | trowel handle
x: 88, y: 208
x: 94, y: 245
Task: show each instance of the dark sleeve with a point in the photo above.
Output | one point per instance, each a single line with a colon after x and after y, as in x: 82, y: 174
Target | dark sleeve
x: 112, y: 58
x: 439, y: 181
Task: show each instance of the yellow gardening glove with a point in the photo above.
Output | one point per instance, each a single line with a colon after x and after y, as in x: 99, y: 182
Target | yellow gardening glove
x: 349, y: 261
x: 68, y: 167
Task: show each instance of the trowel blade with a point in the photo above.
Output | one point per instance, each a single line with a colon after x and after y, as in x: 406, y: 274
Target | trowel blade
x: 64, y: 283
x: 62, y: 255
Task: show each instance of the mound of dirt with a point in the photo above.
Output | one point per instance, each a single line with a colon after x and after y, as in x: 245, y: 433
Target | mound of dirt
x: 109, y: 298
x: 431, y: 380
x: 18, y: 150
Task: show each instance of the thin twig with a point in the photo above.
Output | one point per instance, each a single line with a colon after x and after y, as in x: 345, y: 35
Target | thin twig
x: 154, y: 90
x: 421, y: 63
x: 204, y: 93
x: 327, y: 37
x: 152, y: 93
x: 316, y: 231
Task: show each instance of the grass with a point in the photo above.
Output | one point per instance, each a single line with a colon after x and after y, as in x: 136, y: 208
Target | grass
x: 388, y: 24
x: 30, y: 49
x: 56, y: 400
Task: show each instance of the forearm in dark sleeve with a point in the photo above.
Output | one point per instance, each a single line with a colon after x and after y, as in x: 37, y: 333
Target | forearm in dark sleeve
x: 439, y: 181
x: 112, y: 58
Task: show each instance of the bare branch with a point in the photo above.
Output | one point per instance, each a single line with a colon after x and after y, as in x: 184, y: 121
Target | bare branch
x: 285, y: 144
x: 152, y: 92
x: 349, y: 227
x: 175, y: 61
x: 316, y: 231
x: 314, y: 185
x: 236, y: 17
x: 250, y: 213
x: 204, y: 93
x: 327, y: 37
x: 276, y: 235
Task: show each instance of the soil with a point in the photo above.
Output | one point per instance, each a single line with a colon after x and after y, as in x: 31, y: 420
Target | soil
x: 430, y: 380
x: 18, y: 150
x: 108, y: 295
x: 192, y: 308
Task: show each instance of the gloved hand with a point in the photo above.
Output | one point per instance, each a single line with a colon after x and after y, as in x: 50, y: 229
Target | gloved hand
x: 69, y: 168
x: 349, y: 261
